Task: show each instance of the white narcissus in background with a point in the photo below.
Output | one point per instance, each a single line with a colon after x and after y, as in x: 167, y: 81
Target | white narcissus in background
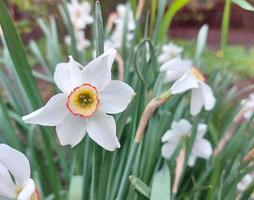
x: 115, y: 40
x: 179, y: 130
x: 80, y: 14
x: 169, y: 51
x: 88, y: 93
x: 189, y: 78
x: 82, y: 42
x: 15, y: 181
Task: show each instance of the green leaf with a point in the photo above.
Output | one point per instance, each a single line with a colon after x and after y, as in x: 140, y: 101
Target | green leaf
x: 99, y: 31
x: 140, y: 186
x: 161, y: 184
x: 18, y: 55
x: 75, y: 191
x: 225, y: 25
x: 66, y: 17
x: 165, y: 24
x: 244, y: 4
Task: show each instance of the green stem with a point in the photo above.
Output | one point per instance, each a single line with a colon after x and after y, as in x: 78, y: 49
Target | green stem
x: 225, y: 25
x: 86, y: 169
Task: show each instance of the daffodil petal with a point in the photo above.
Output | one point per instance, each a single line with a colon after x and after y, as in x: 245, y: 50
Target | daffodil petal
x: 71, y: 131
x: 115, y: 97
x: 192, y: 160
x: 52, y: 114
x: 28, y: 190
x: 67, y: 76
x: 102, y: 129
x: 208, y: 98
x: 181, y: 127
x: 12, y: 160
x: 170, y: 135
x: 177, y: 64
x: 202, y: 148
x: 202, y: 128
x: 7, y: 187
x: 172, y: 75
x: 98, y: 71
x: 196, y: 102
x: 186, y: 82
x: 168, y: 149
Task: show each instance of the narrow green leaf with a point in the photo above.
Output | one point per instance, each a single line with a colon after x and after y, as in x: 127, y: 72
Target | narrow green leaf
x: 18, y: 55
x: 161, y: 184
x: 75, y: 191
x: 140, y: 186
x: 165, y: 24
x: 225, y: 25
x: 65, y: 15
x: 99, y: 31
x: 244, y: 4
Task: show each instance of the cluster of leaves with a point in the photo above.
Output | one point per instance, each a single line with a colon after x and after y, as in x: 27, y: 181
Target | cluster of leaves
x: 136, y: 171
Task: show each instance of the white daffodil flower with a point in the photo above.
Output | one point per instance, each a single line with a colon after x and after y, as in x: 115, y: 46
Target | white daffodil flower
x: 80, y: 14
x: 169, y: 51
x: 173, y: 137
x: 189, y: 78
x: 82, y: 42
x: 87, y: 94
x: 248, y: 106
x: 15, y: 181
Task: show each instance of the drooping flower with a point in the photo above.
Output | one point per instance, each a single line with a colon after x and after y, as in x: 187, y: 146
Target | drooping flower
x: 189, y: 78
x: 88, y: 93
x: 80, y: 14
x: 15, y: 181
x: 180, y: 130
x: 169, y: 51
x: 115, y: 39
x: 248, y: 106
x: 82, y: 42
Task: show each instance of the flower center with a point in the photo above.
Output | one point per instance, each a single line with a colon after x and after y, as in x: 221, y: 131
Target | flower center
x: 198, y: 75
x: 83, y: 100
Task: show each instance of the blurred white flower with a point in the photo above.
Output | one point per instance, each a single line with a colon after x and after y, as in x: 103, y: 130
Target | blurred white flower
x: 82, y: 42
x: 172, y: 138
x: 248, y: 106
x: 80, y: 14
x: 122, y: 10
x: 169, y: 51
x: 189, y: 78
x: 87, y: 94
x: 115, y: 40
x: 15, y: 181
